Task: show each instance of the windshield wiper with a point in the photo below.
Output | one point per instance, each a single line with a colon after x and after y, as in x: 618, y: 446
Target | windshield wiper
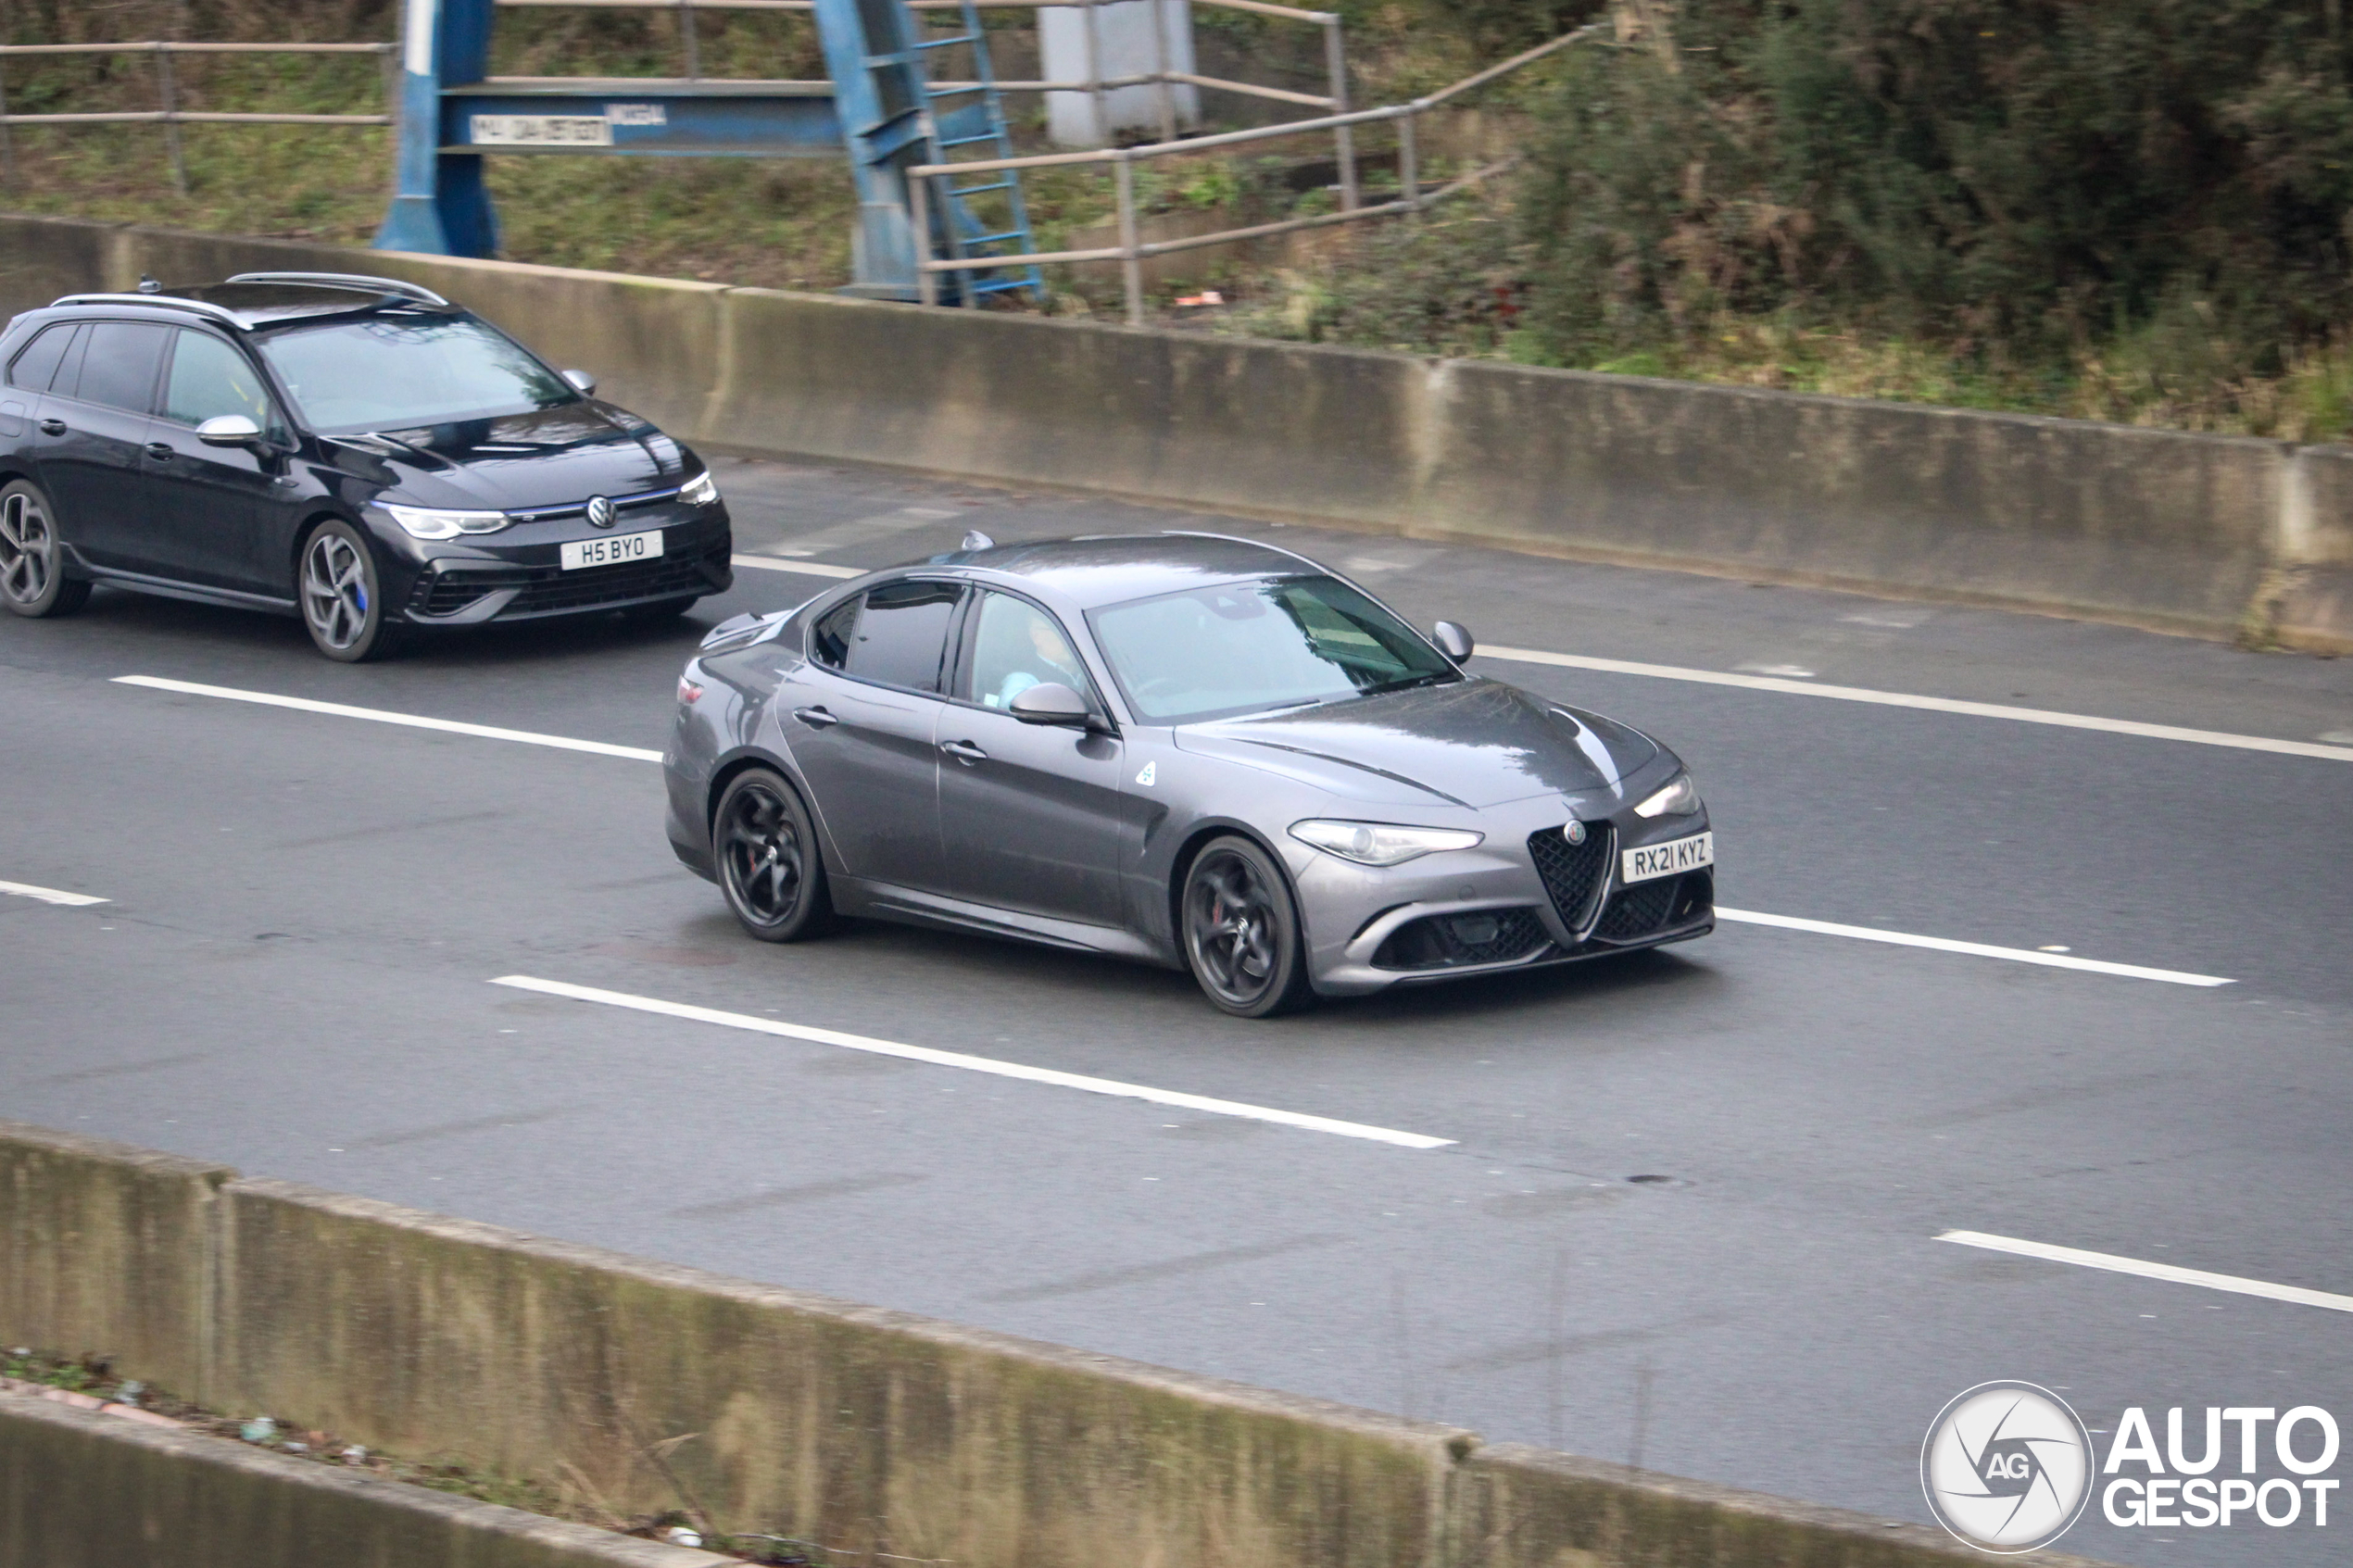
x: 1406, y: 683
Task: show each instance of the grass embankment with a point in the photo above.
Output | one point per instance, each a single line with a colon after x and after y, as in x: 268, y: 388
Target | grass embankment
x: 2140, y: 213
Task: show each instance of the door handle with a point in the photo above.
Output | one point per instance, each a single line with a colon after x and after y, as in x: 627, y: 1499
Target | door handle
x: 162, y: 451
x: 53, y: 427
x: 963, y: 751
x: 815, y: 717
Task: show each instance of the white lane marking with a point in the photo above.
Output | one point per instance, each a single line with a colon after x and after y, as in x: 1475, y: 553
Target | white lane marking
x: 972, y: 1063
x: 2234, y: 1284
x: 637, y: 754
x: 47, y: 894
x: 1930, y: 704
x: 377, y: 715
x: 1975, y: 949
x: 807, y: 568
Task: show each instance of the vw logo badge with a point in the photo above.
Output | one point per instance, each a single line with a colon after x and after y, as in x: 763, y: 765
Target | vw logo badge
x: 1574, y: 832
x: 599, y: 511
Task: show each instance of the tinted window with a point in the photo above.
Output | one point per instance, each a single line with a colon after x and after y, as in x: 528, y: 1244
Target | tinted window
x: 1016, y: 645
x: 119, y: 365
x: 210, y: 379
x: 901, y: 634
x: 33, y: 367
x: 830, y: 642
x: 398, y: 372
x: 1248, y: 646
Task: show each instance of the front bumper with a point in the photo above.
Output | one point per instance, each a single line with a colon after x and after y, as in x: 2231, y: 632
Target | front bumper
x: 517, y: 573
x: 1491, y: 909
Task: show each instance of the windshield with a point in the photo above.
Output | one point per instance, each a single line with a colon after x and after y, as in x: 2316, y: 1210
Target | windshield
x: 1245, y: 647
x: 393, y: 372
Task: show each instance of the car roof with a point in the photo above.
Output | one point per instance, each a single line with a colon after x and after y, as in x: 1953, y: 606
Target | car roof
x: 267, y: 299
x: 1112, y: 568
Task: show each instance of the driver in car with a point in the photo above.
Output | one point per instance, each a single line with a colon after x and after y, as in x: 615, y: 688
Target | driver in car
x: 1048, y: 662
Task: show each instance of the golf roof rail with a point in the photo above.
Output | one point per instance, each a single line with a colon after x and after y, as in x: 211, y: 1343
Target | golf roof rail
x: 157, y: 302
x: 417, y: 292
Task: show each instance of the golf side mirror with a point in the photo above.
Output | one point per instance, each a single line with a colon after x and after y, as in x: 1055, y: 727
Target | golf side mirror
x: 229, y: 430
x: 581, y: 381
x: 1049, y: 704
x: 1453, y: 641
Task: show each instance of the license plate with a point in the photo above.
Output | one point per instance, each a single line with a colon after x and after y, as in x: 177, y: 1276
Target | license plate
x: 605, y: 552
x: 1665, y: 859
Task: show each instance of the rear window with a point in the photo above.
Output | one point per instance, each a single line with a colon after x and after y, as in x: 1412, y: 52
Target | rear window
x: 895, y: 635
x: 37, y: 363
x: 119, y: 365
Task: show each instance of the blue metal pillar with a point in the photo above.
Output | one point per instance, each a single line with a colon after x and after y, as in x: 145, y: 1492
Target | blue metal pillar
x: 871, y: 53
x: 440, y: 206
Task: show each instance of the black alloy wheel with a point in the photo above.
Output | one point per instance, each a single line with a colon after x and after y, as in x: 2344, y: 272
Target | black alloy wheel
x: 1241, y: 931
x: 341, y: 603
x: 769, y: 866
x: 33, y: 560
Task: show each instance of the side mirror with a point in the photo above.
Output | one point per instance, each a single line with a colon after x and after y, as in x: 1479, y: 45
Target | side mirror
x: 1049, y: 704
x: 581, y: 381
x: 1453, y: 641
x: 229, y: 430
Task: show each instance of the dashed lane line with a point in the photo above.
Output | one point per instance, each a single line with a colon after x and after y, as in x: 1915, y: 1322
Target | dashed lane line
x: 972, y: 1063
x: 806, y: 568
x: 47, y: 894
x: 378, y: 716
x: 1927, y: 704
x: 1975, y: 949
x: 2172, y: 1273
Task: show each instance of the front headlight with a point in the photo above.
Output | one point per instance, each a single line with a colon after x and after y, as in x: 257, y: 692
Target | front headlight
x: 701, y: 491
x: 1380, y: 844
x: 1680, y: 798
x: 428, y: 523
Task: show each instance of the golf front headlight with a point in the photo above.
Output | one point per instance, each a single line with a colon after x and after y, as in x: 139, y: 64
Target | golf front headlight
x: 701, y: 491
x: 1680, y: 798
x: 429, y: 522
x: 1380, y: 844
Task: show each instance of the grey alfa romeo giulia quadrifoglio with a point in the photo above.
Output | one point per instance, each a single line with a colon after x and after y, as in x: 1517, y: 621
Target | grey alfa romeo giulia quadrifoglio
x: 1198, y: 751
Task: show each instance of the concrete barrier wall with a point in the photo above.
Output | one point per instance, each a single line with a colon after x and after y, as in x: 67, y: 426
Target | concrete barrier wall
x: 84, y: 1491
x: 770, y: 1410
x: 2215, y: 536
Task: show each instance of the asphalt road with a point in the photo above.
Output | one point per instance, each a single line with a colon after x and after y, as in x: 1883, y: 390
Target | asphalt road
x: 1689, y: 1215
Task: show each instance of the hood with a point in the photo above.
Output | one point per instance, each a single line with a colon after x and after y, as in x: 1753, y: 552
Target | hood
x: 1475, y: 742
x: 549, y: 457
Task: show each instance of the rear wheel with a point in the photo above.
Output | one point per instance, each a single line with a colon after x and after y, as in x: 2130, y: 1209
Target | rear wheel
x: 341, y: 603
x: 1242, y: 936
x: 33, y: 560
x: 769, y: 866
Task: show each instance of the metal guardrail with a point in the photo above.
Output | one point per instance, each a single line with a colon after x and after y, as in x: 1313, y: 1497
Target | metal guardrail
x: 1095, y: 84
x: 1130, y: 252
x: 170, y: 116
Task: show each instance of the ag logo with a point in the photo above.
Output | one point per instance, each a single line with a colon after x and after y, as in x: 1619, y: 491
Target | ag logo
x: 599, y: 511
x: 2007, y: 1467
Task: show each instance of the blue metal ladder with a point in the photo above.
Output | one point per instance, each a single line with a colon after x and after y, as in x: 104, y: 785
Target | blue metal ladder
x: 973, y: 117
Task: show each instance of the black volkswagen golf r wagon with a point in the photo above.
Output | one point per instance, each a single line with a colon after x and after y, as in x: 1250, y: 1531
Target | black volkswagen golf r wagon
x: 357, y: 451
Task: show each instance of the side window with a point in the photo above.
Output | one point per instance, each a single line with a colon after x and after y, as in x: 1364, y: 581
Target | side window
x: 37, y: 362
x: 901, y: 634
x: 1016, y: 645
x: 829, y: 644
x: 119, y: 363
x: 210, y: 379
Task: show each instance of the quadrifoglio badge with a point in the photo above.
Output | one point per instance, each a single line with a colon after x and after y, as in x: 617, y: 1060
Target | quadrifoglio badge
x: 2008, y: 1467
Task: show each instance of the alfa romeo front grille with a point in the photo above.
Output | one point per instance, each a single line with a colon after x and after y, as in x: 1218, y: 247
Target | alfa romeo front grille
x: 1652, y: 906
x: 1573, y: 873
x: 1451, y: 941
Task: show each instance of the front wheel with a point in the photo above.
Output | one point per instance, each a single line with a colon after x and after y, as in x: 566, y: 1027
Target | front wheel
x: 769, y: 866
x: 342, y: 601
x: 1242, y: 936
x: 33, y: 564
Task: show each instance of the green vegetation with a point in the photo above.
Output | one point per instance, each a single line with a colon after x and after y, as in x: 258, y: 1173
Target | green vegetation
x: 2139, y: 210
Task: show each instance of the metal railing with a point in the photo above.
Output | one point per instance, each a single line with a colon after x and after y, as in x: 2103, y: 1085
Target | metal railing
x: 1130, y: 253
x: 170, y: 116
x: 1094, y: 84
